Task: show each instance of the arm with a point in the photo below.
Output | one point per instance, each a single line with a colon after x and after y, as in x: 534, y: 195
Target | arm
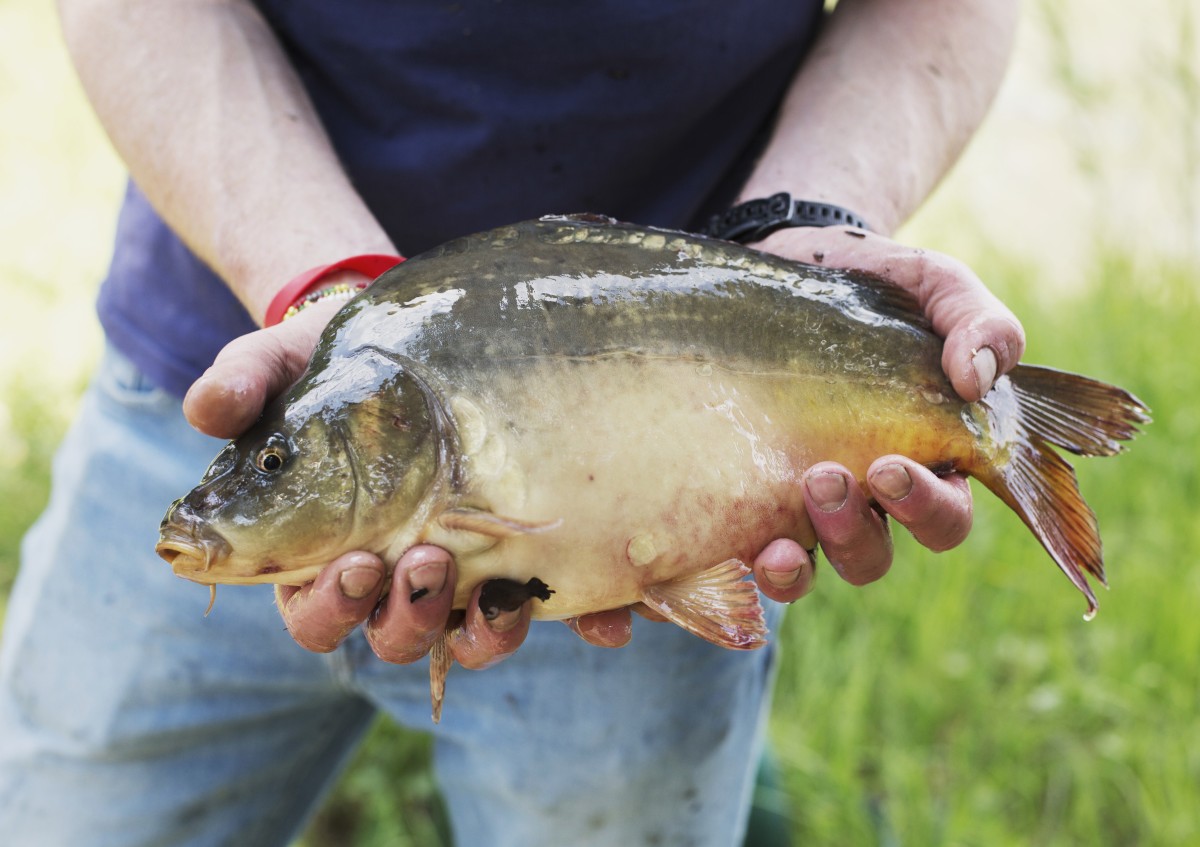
x: 889, y: 96
x: 219, y: 134
x: 217, y: 131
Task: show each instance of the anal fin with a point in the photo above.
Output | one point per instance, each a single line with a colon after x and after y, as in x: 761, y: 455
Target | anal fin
x: 718, y: 605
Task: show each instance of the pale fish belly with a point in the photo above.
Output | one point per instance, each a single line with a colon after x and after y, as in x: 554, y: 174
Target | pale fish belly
x: 652, y: 469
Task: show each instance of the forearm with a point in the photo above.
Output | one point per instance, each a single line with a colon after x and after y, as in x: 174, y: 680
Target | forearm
x: 215, y: 128
x: 889, y: 96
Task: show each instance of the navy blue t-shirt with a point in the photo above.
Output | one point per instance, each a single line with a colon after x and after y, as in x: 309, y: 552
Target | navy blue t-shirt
x: 456, y: 117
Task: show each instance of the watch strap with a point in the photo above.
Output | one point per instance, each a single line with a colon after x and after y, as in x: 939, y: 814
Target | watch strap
x: 756, y: 219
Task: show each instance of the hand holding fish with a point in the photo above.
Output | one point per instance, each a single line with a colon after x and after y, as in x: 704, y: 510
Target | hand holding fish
x: 478, y: 403
x: 403, y: 625
x: 983, y: 340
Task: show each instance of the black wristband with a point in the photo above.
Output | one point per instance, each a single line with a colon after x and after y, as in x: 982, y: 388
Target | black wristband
x: 756, y: 219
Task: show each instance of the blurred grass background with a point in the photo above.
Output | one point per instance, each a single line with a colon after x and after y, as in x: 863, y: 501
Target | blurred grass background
x: 961, y: 701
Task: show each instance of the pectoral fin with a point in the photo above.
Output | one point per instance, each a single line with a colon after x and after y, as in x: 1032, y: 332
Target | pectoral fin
x: 718, y: 605
x: 486, y: 523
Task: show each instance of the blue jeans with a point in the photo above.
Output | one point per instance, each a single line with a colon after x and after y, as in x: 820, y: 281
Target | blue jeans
x: 128, y: 718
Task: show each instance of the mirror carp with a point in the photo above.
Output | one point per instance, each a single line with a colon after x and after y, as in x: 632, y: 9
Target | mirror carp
x: 597, y: 414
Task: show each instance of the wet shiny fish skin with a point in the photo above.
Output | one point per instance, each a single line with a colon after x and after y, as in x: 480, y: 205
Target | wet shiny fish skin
x: 621, y: 413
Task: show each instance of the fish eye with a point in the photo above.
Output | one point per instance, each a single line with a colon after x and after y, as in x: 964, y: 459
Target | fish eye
x: 272, y: 457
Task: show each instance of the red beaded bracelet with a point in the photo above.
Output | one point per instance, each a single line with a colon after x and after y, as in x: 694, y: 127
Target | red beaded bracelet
x: 368, y: 264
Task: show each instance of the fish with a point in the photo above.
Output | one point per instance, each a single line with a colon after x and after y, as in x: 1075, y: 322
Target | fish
x: 595, y: 415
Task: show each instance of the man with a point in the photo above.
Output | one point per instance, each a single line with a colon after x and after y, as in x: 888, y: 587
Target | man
x: 267, y: 139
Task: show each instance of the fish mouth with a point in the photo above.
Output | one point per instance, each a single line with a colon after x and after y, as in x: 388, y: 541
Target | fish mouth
x: 192, y: 557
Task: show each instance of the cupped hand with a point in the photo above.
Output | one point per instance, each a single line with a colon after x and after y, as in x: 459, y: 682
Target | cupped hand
x: 983, y: 340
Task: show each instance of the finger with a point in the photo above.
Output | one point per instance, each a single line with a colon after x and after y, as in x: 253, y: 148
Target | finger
x: 784, y: 571
x: 413, y: 615
x: 612, y: 628
x: 936, y: 510
x: 854, y: 537
x: 979, y: 351
x: 250, y: 370
x: 321, y: 614
x: 479, y: 643
x: 983, y: 338
x: 230, y: 395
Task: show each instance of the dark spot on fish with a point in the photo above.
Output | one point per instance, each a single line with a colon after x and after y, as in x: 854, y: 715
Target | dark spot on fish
x: 401, y: 424
x: 856, y: 233
x: 266, y: 569
x: 818, y: 256
x: 591, y: 477
x: 507, y: 595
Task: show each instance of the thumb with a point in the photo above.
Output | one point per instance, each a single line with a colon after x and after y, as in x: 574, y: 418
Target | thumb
x: 251, y: 370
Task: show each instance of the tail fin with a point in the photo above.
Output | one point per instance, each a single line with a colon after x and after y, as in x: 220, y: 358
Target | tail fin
x: 1031, y: 411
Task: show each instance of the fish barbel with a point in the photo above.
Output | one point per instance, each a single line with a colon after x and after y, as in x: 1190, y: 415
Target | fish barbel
x: 597, y: 414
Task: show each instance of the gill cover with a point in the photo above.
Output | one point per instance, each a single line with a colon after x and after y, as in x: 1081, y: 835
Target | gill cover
x: 345, y: 456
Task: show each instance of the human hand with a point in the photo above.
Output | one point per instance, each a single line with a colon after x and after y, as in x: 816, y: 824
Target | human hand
x: 983, y: 340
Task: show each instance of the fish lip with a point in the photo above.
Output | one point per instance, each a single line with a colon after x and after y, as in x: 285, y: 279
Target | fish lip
x: 189, y: 555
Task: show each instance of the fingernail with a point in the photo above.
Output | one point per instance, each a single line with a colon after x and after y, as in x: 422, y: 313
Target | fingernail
x: 892, y: 481
x: 427, y: 580
x: 504, y: 621
x: 985, y: 366
x: 783, y: 579
x: 828, y: 491
x: 357, y: 583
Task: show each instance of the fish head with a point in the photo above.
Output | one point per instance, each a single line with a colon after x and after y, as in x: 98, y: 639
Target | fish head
x: 341, y: 462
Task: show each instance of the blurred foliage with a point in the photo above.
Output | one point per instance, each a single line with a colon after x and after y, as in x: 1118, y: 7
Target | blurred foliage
x: 31, y: 428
